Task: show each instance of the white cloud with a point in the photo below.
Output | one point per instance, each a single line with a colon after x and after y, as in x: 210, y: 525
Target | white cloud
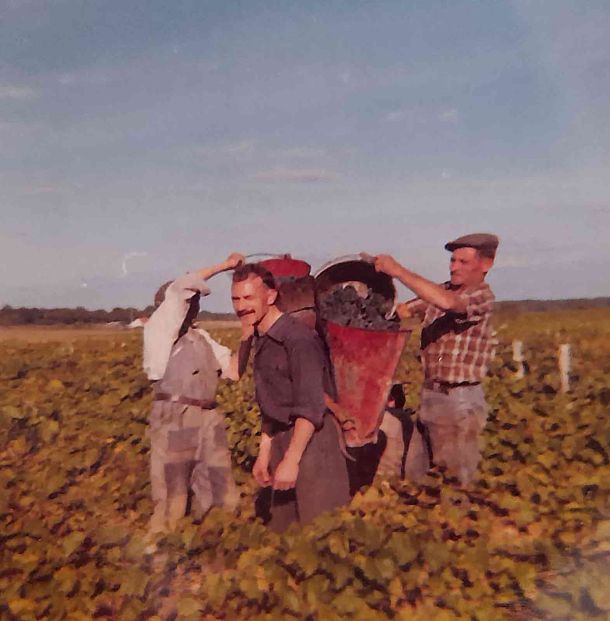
x: 301, y: 153
x: 94, y: 78
x: 11, y: 91
x: 449, y: 116
x: 42, y: 189
x: 506, y: 261
x: 66, y: 79
x: 422, y: 115
x: 395, y: 115
x: 242, y: 147
x: 127, y: 257
x: 302, y: 175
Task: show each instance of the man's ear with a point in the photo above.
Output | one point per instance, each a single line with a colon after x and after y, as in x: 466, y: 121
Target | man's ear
x: 272, y: 296
x: 487, y: 263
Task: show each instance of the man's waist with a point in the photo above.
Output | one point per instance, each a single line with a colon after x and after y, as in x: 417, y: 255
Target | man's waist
x: 204, y: 404
x: 437, y: 385
x: 274, y: 426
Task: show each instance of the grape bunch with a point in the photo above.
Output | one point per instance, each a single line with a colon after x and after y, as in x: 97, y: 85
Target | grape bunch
x: 345, y: 307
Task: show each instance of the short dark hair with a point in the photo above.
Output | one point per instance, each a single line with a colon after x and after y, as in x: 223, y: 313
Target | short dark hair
x: 243, y: 272
x: 160, y: 294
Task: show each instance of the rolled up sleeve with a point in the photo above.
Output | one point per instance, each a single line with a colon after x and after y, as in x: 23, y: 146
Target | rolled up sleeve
x: 479, y: 304
x: 185, y: 287
x: 307, y: 368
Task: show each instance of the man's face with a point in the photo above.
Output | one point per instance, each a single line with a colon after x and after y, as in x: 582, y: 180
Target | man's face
x: 252, y: 299
x: 468, y: 267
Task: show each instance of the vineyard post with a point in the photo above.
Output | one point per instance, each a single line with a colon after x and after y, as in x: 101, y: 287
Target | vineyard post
x: 518, y: 358
x: 565, y: 366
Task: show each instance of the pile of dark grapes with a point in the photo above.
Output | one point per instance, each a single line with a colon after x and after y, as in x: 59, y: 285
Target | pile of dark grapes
x: 346, y: 308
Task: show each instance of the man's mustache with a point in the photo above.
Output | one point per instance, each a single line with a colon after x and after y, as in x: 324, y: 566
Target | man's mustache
x: 244, y: 313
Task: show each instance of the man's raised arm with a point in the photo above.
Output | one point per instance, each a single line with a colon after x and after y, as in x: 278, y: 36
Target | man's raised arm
x: 422, y: 287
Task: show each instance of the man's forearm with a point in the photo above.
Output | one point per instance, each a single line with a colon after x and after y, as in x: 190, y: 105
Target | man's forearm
x: 265, y: 444
x: 303, y: 430
x: 424, y: 288
x: 231, y: 262
x: 429, y: 291
x: 207, y: 272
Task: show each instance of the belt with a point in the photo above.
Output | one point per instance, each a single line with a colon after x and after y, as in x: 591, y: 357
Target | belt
x: 445, y: 387
x: 204, y: 404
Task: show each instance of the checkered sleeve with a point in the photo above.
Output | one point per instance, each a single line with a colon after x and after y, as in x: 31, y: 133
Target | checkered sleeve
x: 479, y: 304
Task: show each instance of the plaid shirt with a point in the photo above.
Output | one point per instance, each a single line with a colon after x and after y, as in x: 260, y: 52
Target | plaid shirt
x: 456, y: 347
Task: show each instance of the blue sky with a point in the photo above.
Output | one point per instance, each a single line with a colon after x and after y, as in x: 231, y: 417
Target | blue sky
x: 139, y: 140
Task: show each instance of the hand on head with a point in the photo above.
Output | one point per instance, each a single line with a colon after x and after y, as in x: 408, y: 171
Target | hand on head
x: 235, y: 259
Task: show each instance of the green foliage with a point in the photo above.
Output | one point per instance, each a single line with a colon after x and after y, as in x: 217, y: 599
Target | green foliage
x: 531, y: 539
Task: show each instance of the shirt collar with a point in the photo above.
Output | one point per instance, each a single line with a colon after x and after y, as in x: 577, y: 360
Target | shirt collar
x: 279, y: 330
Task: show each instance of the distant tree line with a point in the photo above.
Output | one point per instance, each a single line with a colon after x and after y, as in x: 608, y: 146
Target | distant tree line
x: 525, y: 306
x: 10, y: 316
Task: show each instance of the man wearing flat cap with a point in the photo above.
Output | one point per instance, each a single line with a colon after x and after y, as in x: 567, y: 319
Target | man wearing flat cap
x: 456, y: 348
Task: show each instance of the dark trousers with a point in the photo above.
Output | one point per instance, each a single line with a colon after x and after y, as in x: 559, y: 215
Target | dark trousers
x: 322, y: 483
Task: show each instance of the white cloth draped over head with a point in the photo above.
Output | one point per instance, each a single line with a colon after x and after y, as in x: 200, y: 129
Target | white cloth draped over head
x: 163, y: 327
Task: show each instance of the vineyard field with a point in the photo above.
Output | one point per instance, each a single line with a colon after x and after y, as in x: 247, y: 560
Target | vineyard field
x: 530, y: 539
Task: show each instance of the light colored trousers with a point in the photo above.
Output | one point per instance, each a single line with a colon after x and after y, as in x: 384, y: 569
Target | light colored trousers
x: 455, y: 421
x: 189, y: 454
x: 411, y: 461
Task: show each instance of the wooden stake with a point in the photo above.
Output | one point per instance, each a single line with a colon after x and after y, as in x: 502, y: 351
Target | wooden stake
x: 565, y: 366
x: 518, y: 358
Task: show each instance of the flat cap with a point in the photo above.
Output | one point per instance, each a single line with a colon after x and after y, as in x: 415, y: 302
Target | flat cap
x: 485, y: 242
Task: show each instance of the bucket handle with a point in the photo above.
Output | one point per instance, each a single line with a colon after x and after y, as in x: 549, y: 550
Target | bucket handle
x: 265, y: 254
x: 273, y: 255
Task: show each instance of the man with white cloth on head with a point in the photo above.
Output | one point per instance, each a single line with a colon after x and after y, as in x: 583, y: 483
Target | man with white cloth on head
x: 189, y: 452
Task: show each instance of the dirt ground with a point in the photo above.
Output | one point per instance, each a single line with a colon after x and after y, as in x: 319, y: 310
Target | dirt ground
x: 45, y: 334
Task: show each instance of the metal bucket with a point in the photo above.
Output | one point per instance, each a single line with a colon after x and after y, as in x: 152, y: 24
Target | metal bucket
x: 353, y: 268
x: 285, y: 267
x: 364, y: 361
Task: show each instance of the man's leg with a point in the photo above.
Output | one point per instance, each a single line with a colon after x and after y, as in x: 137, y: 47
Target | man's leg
x: 212, y: 479
x: 158, y: 445
x: 390, y: 463
x: 282, y: 505
x: 174, y: 445
x: 455, y: 421
x: 438, y: 415
x: 322, y: 484
x: 417, y: 457
x: 472, y: 410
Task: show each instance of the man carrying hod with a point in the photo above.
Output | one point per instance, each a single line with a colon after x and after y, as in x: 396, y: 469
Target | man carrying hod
x: 456, y: 348
x: 299, y: 456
